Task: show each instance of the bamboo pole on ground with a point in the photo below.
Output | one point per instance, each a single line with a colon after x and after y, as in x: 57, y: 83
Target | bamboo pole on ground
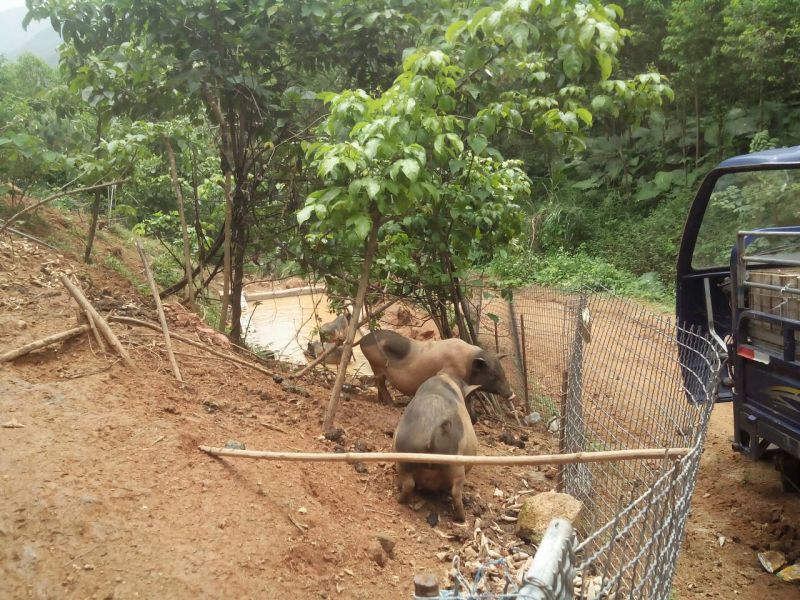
x: 93, y: 327
x: 453, y: 459
x: 160, y: 309
x: 112, y: 339
x: 327, y: 352
x: 35, y: 345
x: 185, y: 340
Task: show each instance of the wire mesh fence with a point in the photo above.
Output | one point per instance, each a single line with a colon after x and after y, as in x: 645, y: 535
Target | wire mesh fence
x: 612, y: 375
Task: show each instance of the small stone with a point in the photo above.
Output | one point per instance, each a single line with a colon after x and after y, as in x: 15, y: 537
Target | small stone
x: 360, y: 467
x: 20, y: 324
x: 277, y: 378
x: 234, y: 445
x: 553, y: 425
x: 264, y: 396
x: 433, y: 519
x: 441, y: 555
x: 335, y: 434
x: 376, y: 553
x: 339, y: 449
x: 12, y: 424
x: 532, y: 418
x: 550, y: 472
x: 772, y: 561
x: 362, y: 446
x: 537, y: 512
x: 387, y: 543
x: 790, y: 574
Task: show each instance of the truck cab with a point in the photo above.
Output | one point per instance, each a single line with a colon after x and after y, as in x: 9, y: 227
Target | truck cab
x: 738, y: 278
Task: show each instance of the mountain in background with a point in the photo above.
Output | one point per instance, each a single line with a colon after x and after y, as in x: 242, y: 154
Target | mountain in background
x: 40, y: 39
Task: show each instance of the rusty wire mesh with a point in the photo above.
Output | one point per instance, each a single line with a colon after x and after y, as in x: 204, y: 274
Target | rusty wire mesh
x: 613, y: 375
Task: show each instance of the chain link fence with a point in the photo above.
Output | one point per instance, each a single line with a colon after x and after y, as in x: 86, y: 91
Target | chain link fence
x: 611, y: 375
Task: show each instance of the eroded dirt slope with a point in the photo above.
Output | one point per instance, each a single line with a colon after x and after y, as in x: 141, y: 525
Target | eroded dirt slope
x: 103, y: 492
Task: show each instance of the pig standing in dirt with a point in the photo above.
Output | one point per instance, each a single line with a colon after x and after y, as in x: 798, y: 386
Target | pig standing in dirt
x: 436, y: 422
x: 407, y: 363
x: 335, y: 331
x: 315, y: 349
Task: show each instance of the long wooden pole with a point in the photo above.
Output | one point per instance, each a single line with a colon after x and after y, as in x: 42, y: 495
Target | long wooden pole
x: 51, y: 339
x: 451, y: 459
x: 185, y: 340
x: 99, y: 321
x: 160, y: 309
x: 370, y: 244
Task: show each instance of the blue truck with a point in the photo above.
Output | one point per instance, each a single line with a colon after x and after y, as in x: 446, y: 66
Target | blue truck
x: 738, y: 278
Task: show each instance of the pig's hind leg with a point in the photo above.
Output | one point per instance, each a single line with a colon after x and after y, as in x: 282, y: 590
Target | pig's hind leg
x: 458, y: 476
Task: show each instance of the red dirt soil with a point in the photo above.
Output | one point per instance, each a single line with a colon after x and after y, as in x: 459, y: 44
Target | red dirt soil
x: 104, y: 494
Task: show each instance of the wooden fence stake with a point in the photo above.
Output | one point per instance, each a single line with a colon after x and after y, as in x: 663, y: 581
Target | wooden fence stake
x: 524, y: 361
x: 51, y: 339
x: 160, y: 309
x: 112, y: 339
x: 456, y: 459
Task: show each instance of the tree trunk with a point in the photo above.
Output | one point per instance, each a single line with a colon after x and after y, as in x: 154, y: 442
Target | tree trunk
x: 226, y: 253
x: 215, y: 247
x: 98, y: 196
x: 187, y: 247
x: 347, y: 347
x: 238, y: 245
x: 198, y: 226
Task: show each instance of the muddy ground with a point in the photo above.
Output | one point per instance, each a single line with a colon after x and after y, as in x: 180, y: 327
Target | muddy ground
x: 104, y: 494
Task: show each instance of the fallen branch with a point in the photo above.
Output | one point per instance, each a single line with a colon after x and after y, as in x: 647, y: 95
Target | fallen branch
x: 451, y: 459
x: 112, y: 339
x: 51, y: 339
x: 185, y: 340
x: 52, y: 197
x: 160, y: 309
x: 327, y: 352
x: 34, y: 239
x: 95, y: 333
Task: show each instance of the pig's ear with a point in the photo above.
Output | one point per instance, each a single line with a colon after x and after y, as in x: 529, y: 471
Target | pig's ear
x: 502, y: 356
x: 479, y: 363
x: 468, y: 389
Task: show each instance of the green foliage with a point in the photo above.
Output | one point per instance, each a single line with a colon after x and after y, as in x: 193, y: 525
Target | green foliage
x: 575, y: 271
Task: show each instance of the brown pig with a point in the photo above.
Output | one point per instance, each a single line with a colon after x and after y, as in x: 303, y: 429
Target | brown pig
x: 335, y: 331
x: 436, y: 422
x: 315, y: 349
x: 407, y: 363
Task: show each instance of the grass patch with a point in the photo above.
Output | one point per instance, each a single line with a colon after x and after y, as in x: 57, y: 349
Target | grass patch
x: 577, y: 271
x: 114, y: 264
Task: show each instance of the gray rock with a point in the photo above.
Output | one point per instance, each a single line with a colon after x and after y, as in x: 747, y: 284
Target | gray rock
x: 234, y: 445
x: 532, y: 418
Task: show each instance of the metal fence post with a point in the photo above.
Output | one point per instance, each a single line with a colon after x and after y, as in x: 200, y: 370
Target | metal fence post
x: 552, y: 572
